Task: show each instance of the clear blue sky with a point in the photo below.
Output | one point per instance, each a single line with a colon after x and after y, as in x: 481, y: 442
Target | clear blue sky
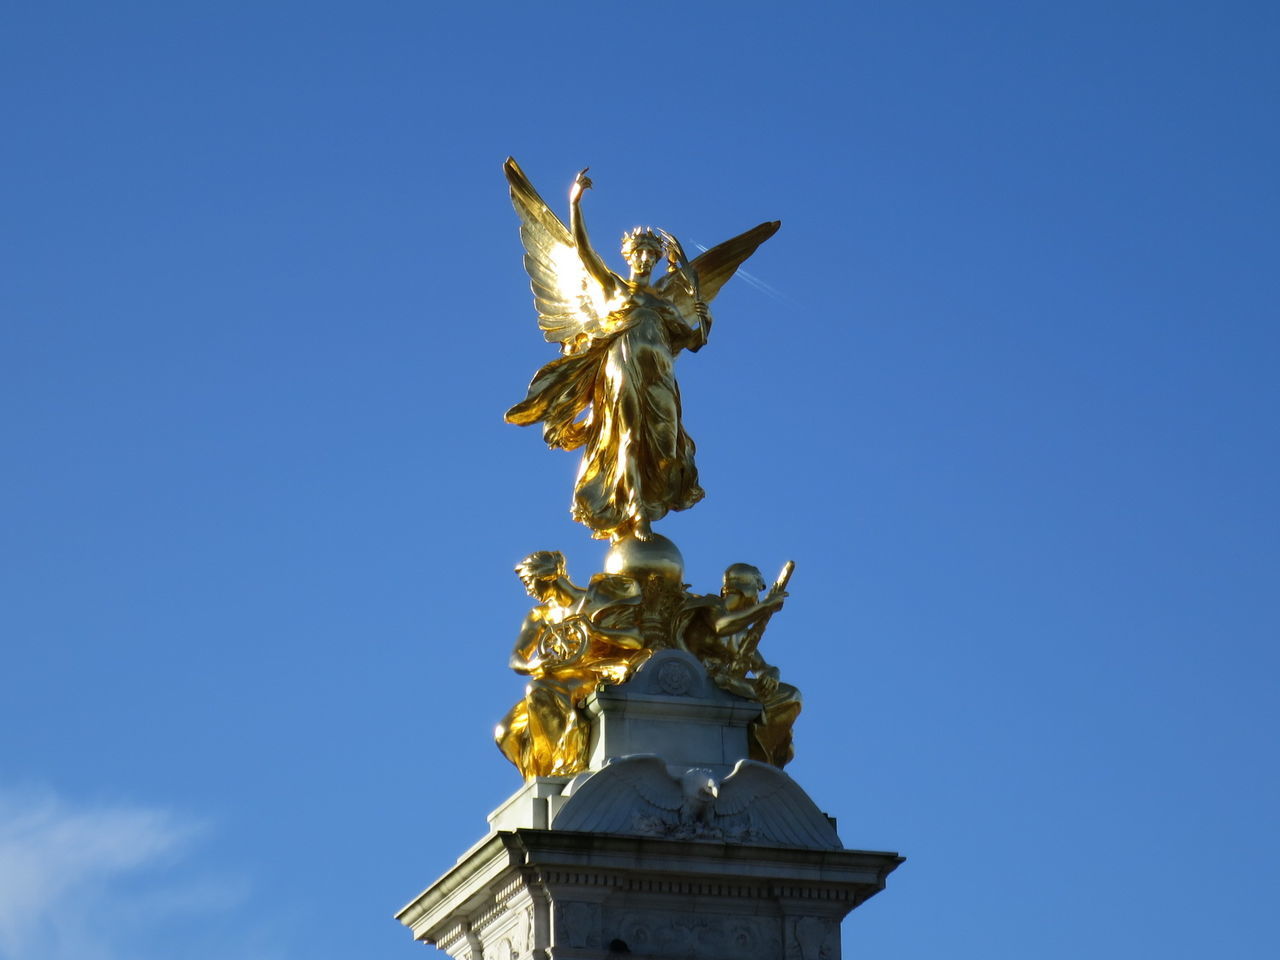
x: 1012, y: 412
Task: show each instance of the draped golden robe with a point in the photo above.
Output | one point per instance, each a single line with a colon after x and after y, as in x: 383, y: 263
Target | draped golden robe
x: 637, y: 459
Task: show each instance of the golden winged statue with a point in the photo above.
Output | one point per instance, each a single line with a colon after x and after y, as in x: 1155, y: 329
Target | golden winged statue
x: 613, y: 390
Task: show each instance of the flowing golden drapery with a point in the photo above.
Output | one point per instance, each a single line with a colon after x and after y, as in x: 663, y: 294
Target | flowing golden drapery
x: 613, y: 392
x: 620, y: 402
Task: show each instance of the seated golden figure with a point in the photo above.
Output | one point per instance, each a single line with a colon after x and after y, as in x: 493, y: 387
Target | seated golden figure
x: 724, y: 632
x: 572, y: 641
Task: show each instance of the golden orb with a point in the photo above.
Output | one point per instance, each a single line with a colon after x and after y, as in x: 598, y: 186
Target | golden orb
x: 645, y: 559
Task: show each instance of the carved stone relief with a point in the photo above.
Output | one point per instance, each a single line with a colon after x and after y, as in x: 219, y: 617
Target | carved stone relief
x: 578, y: 924
x: 688, y: 935
x: 524, y: 938
x: 675, y: 678
x: 814, y: 938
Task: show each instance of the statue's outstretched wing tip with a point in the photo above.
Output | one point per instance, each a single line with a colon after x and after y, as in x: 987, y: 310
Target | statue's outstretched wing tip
x: 715, y: 266
x: 569, y: 301
x: 520, y: 184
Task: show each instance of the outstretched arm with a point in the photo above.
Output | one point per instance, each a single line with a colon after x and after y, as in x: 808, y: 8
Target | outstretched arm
x: 590, y: 259
x: 741, y: 619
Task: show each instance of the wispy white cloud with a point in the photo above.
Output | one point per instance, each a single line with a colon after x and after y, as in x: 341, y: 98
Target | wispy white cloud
x: 94, y: 881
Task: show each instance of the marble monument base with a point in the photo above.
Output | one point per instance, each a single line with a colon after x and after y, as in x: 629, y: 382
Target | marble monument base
x: 559, y: 895
x: 673, y: 845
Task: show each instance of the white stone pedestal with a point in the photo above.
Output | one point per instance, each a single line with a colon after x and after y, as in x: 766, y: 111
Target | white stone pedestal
x: 542, y: 894
x: 672, y: 846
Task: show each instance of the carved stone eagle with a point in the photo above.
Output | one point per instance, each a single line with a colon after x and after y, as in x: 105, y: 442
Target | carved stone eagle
x: 641, y: 795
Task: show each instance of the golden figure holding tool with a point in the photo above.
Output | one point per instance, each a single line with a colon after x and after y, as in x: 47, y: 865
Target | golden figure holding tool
x: 572, y: 641
x: 613, y: 391
x: 725, y: 635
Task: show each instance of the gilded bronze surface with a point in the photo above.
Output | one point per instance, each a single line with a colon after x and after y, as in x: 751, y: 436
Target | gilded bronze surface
x: 613, y: 393
x: 725, y: 636
x: 576, y: 639
x: 573, y: 640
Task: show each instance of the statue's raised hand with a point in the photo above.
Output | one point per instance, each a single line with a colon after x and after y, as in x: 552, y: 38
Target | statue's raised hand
x: 581, y: 184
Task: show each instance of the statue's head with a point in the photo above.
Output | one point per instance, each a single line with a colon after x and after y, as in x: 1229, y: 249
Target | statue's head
x: 642, y: 249
x: 743, y: 579
x: 539, y: 570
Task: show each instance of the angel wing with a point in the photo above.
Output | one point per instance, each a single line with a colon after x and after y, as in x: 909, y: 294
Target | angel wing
x: 570, y: 301
x: 716, y: 266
